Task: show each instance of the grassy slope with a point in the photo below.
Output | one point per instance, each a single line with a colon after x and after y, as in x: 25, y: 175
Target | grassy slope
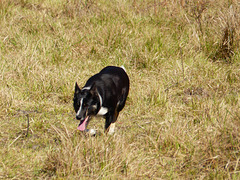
x: 191, y: 130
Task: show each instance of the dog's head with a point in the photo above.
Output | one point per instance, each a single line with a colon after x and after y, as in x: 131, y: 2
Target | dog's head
x: 85, y: 102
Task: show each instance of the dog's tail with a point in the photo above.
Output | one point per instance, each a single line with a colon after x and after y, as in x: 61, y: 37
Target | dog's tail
x: 123, y: 68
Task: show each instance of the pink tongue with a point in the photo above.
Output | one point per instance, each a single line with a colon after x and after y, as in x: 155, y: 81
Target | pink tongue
x: 82, y: 126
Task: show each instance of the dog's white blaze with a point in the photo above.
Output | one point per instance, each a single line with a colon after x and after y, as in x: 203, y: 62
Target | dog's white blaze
x: 80, y: 108
x: 103, y: 110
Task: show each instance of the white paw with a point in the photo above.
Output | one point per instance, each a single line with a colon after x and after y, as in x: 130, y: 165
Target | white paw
x: 92, y: 132
x: 111, y: 132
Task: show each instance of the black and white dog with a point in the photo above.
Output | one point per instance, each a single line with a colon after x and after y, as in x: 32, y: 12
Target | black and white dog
x: 104, y: 94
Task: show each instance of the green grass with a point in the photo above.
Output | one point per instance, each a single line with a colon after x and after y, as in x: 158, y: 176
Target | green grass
x: 182, y: 117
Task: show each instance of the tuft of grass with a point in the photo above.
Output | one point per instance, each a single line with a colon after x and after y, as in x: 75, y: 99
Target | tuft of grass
x: 181, y: 120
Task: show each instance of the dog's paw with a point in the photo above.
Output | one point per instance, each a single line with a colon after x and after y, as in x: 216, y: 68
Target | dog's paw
x: 92, y: 132
x: 111, y: 132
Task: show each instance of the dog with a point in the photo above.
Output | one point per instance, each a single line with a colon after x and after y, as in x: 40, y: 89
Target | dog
x: 104, y: 94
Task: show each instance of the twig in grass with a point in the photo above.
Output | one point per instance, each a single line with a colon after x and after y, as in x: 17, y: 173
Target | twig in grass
x: 155, y: 5
x: 226, y: 166
x: 15, y: 140
x: 183, y: 74
x: 27, y: 125
x: 175, y: 84
x: 59, y: 133
x: 182, y: 62
x: 140, y: 126
x: 235, y: 169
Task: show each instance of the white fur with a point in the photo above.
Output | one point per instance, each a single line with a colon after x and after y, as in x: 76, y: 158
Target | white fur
x: 111, y: 129
x: 100, y: 99
x: 92, y: 132
x: 123, y: 68
x: 103, y: 110
x: 87, y: 88
x: 80, y: 108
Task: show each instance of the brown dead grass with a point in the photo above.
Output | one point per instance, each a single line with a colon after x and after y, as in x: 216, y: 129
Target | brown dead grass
x: 181, y: 120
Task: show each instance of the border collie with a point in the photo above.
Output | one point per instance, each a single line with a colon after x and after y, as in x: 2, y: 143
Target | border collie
x: 104, y: 94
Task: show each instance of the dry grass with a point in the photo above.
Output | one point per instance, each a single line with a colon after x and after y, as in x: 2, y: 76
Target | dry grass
x: 182, y: 116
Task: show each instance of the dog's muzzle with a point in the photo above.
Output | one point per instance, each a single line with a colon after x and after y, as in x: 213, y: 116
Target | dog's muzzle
x: 79, y: 117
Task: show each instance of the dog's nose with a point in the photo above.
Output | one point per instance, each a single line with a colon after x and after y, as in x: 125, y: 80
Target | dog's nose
x: 78, y: 117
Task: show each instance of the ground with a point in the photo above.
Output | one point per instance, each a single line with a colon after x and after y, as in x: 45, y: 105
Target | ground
x: 181, y: 119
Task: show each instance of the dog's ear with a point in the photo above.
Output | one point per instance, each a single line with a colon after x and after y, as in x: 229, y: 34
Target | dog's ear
x: 93, y: 89
x: 77, y: 89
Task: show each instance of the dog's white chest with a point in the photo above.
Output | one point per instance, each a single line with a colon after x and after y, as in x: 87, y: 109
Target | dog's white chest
x: 102, y: 111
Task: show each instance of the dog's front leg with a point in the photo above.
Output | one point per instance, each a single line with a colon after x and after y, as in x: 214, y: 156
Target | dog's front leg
x: 110, y: 123
x: 111, y: 129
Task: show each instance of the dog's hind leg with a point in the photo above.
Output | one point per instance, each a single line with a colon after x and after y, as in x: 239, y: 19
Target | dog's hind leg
x: 122, y: 100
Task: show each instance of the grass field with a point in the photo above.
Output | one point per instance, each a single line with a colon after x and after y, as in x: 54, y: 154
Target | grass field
x: 182, y: 116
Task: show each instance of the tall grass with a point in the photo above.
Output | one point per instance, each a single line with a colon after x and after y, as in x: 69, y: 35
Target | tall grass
x: 182, y: 115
